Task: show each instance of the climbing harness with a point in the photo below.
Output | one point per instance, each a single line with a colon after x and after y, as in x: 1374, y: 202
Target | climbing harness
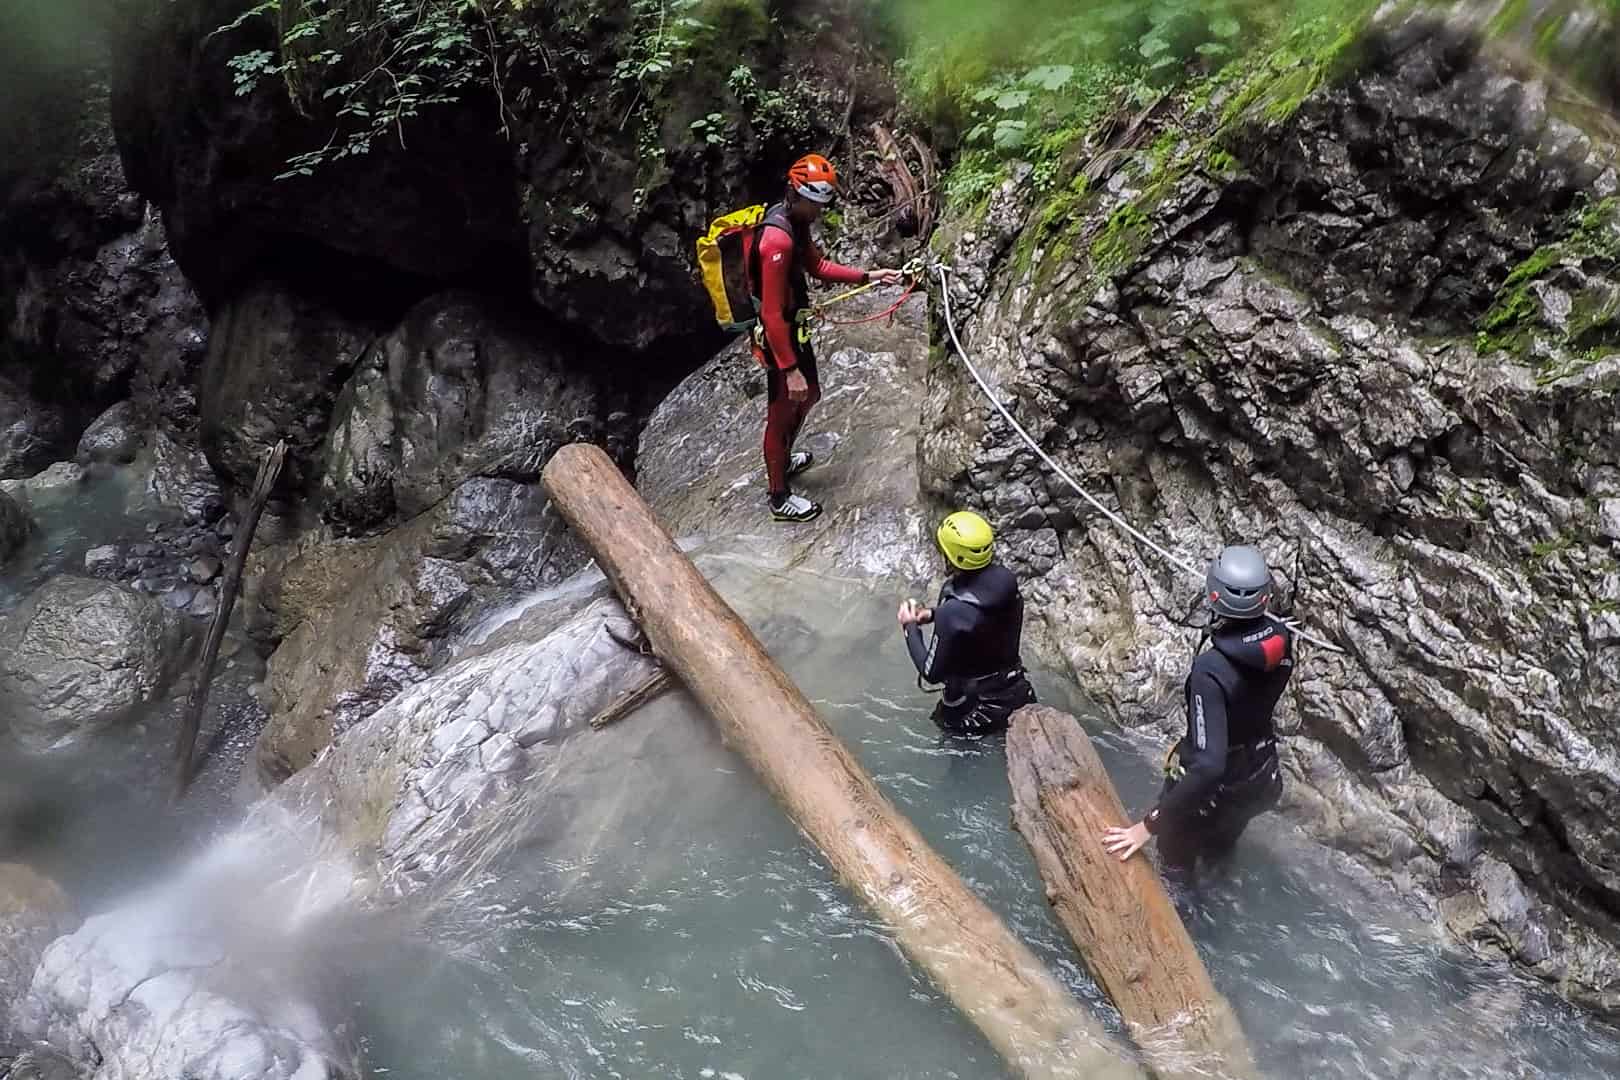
x: 1119, y: 522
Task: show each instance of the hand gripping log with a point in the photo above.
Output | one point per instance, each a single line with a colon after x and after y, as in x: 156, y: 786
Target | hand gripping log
x: 1121, y: 919
x: 940, y: 924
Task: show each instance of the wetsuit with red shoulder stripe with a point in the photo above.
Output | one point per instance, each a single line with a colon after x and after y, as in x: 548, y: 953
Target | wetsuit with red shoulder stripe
x: 786, y: 255
x: 1225, y: 770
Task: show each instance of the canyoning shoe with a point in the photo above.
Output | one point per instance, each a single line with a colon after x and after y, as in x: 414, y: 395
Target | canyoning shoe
x: 800, y: 460
x: 795, y: 508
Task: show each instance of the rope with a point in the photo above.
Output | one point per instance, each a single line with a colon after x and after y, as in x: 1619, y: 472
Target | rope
x: 847, y: 294
x: 884, y: 314
x: 1119, y: 522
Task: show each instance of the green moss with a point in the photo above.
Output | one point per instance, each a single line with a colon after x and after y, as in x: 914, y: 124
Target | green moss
x: 1122, y: 238
x: 1509, y: 19
x: 1317, y: 52
x: 1593, y: 329
x: 1547, y: 549
x: 1548, y: 33
x: 1221, y: 163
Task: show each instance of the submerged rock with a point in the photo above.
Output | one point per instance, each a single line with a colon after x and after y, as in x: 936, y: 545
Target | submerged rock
x: 61, y: 477
x: 79, y: 655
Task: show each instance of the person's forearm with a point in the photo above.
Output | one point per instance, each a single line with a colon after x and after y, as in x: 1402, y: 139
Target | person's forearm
x: 917, y: 648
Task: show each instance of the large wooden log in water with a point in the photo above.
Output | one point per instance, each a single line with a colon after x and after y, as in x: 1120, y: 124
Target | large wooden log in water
x: 948, y: 931
x: 1118, y: 914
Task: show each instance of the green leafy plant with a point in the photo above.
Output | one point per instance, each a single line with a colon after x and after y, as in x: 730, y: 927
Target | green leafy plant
x: 711, y: 129
x: 777, y: 116
x: 665, y: 31
x: 370, y: 66
x: 1031, y: 79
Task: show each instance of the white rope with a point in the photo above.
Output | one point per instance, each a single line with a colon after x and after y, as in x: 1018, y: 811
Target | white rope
x: 1119, y: 522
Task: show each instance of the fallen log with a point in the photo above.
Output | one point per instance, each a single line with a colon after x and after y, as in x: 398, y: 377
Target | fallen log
x: 654, y: 685
x: 185, y: 758
x: 1119, y: 915
x: 940, y: 924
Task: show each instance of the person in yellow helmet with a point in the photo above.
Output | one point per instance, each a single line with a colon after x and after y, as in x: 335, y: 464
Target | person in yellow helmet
x: 978, y: 629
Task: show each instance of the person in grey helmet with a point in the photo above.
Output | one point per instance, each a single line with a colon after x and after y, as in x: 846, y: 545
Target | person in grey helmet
x: 1224, y: 771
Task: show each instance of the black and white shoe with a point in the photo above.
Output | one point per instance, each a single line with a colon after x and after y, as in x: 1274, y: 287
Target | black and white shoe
x: 800, y: 460
x: 795, y: 508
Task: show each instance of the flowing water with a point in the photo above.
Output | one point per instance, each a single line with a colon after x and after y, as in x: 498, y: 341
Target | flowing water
x: 674, y: 924
x: 97, y: 816
x: 708, y: 939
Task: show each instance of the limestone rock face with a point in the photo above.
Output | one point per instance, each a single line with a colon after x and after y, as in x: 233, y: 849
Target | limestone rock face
x: 1288, y: 352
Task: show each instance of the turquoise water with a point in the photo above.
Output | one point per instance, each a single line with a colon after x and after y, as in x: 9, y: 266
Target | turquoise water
x: 97, y: 816
x: 695, y: 934
x: 659, y: 916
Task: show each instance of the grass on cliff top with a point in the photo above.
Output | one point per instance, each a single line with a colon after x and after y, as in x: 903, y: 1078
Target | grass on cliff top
x: 1083, y: 130
x: 1031, y: 80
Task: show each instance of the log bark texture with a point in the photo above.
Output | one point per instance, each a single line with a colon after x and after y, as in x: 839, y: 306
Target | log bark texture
x: 1119, y: 915
x: 950, y: 933
x: 658, y: 683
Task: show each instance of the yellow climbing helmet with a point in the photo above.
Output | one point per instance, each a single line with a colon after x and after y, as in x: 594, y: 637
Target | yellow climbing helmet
x: 967, y: 540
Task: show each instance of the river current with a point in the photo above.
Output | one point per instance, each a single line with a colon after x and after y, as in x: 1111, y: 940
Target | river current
x: 706, y: 939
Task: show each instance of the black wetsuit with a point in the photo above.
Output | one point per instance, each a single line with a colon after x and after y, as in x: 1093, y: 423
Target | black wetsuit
x: 978, y: 627
x: 1224, y: 772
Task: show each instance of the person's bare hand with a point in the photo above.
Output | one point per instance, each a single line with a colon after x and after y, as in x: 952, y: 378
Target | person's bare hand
x: 886, y: 277
x: 798, y: 387
x: 1125, y: 842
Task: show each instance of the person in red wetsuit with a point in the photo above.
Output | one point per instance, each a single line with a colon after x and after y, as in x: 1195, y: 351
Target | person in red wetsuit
x: 783, y: 254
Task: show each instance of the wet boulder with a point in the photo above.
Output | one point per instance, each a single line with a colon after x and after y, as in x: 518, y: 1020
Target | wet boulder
x: 113, y: 437
x: 181, y: 478
x: 14, y: 527
x: 276, y: 361
x: 357, y: 621
x: 31, y: 432
x: 460, y: 388
x: 428, y: 783
x: 207, y: 975
x: 79, y: 655
x: 701, y: 469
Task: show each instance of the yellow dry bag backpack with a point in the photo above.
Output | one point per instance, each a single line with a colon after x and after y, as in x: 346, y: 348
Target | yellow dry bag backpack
x: 723, y: 257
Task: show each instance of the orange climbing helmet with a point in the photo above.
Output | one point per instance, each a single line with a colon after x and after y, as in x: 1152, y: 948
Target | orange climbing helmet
x: 814, y: 177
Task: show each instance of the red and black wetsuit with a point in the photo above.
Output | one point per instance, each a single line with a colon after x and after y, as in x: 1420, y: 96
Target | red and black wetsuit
x: 1226, y: 770
x: 787, y: 253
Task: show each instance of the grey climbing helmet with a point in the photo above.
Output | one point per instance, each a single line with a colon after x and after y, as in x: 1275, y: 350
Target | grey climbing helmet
x: 1239, y: 583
